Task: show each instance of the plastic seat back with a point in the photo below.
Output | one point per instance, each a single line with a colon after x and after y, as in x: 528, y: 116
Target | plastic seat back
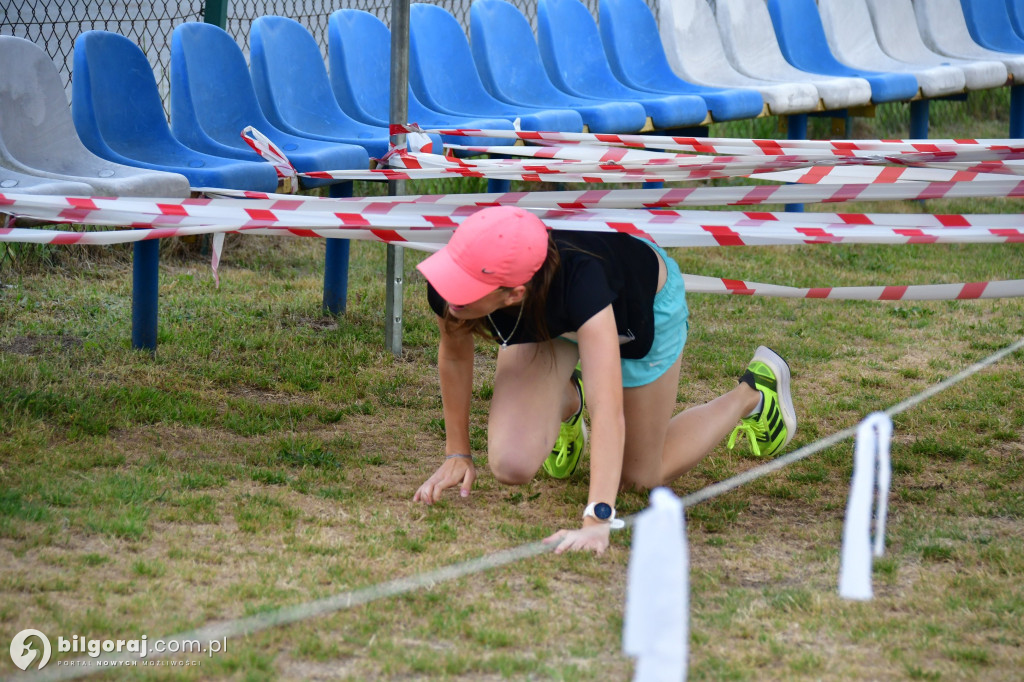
x: 574, y: 57
x: 748, y: 36
x: 851, y: 37
x: 293, y: 89
x: 991, y: 26
x: 359, y: 55
x: 115, y: 101
x: 510, y: 66
x: 444, y: 76
x: 213, y: 100
x: 359, y: 59
x: 897, y: 33
x: 944, y: 29
x: 572, y: 51
x: 802, y: 37
x: 118, y: 113
x: 38, y: 136
x: 634, y: 48
x: 1016, y: 11
x: 212, y: 97
x: 802, y: 40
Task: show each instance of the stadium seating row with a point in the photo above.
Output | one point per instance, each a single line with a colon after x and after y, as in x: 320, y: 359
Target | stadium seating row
x: 728, y: 60
x: 739, y: 59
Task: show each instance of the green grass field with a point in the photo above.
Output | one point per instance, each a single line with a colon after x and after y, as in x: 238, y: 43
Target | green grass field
x: 267, y: 456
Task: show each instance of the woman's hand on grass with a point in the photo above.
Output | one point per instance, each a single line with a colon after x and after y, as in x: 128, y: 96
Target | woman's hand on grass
x: 454, y: 471
x: 593, y: 538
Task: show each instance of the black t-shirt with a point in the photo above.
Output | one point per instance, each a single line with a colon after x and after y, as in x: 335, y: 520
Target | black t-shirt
x: 597, y: 269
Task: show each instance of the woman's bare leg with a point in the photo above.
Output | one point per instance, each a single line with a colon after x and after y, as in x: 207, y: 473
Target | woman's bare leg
x: 659, y: 447
x: 532, y: 395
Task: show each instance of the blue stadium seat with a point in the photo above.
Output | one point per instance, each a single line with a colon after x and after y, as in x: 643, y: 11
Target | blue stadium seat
x: 359, y: 55
x: 1016, y: 11
x: 444, y: 76
x: 117, y: 111
x: 576, y: 63
x: 991, y: 25
x: 294, y: 91
x: 637, y: 57
x: 38, y: 137
x: 213, y: 100
x: 509, y: 64
x: 802, y: 39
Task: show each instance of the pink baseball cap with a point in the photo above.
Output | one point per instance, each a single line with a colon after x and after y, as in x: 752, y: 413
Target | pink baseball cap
x: 498, y: 246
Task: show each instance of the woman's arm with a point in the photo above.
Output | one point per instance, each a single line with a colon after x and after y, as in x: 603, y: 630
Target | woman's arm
x: 455, y: 372
x: 599, y: 353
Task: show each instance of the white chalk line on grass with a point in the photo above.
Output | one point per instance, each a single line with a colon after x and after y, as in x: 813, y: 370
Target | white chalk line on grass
x: 82, y: 667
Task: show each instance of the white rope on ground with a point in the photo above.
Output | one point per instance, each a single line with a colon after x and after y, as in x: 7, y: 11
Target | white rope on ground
x: 806, y: 451
x: 299, y: 612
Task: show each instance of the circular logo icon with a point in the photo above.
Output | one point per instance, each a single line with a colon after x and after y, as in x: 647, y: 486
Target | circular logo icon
x: 23, y: 653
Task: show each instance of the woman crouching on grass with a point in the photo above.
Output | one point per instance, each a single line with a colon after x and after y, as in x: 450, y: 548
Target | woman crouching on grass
x: 611, y: 305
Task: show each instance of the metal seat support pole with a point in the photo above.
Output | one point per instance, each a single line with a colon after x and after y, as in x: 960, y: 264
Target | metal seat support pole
x: 919, y: 119
x: 399, y: 113
x: 145, y: 293
x: 796, y: 129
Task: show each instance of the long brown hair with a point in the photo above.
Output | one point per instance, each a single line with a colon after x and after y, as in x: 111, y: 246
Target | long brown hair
x: 534, y: 303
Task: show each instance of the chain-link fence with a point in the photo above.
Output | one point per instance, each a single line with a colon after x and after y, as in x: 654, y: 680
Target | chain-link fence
x: 55, y: 24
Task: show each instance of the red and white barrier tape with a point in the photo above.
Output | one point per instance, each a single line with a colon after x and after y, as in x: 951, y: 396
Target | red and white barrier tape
x: 724, y: 145
x: 426, y: 221
x: 428, y: 226
x: 263, y: 146
x: 595, y: 161
x: 810, y: 187
x: 392, y: 222
x: 916, y: 292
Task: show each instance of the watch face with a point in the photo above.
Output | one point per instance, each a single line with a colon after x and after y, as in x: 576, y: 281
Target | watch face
x: 603, y: 511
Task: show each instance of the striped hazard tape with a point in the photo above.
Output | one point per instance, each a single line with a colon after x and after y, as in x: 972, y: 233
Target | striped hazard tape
x: 823, y: 171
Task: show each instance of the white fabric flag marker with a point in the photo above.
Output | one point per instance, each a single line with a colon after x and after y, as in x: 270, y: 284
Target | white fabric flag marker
x: 217, y: 249
x: 656, y: 627
x: 872, y: 471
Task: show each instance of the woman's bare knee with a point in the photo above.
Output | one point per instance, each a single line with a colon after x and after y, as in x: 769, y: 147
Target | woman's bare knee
x: 511, y: 470
x: 641, y: 480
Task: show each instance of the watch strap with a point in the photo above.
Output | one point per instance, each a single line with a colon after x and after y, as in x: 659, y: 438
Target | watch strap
x: 615, y: 523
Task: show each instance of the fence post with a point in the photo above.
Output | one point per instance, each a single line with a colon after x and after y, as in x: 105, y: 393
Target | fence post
x: 216, y: 12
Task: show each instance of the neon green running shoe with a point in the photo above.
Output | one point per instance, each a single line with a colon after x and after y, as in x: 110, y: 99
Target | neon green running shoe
x: 775, y: 425
x: 572, y: 438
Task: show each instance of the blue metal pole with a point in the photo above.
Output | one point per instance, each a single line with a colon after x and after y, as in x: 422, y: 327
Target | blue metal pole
x: 796, y: 129
x: 1017, y: 112
x: 499, y: 185
x: 336, y: 263
x: 919, y: 119
x: 145, y: 293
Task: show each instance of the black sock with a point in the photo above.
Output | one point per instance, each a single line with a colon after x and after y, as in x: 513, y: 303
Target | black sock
x: 749, y: 379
